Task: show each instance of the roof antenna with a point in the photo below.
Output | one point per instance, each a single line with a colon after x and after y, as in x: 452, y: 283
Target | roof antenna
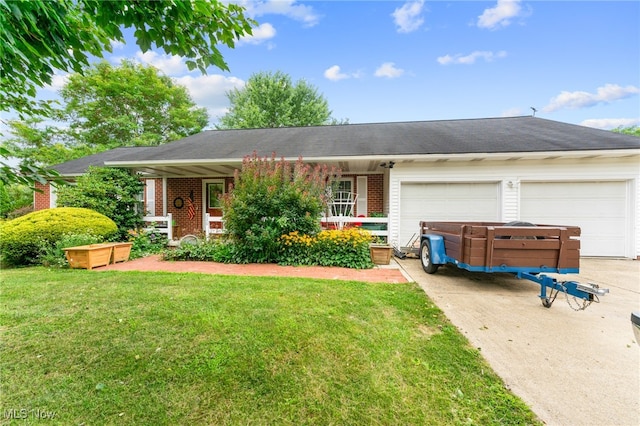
x: 534, y: 111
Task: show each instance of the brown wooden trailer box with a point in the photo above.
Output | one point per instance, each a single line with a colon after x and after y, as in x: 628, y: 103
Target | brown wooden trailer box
x: 492, y: 244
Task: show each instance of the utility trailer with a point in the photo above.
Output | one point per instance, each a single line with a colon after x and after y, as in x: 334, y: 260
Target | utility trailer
x: 526, y: 250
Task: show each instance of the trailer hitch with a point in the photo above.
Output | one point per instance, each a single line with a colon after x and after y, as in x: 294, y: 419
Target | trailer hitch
x: 589, y: 293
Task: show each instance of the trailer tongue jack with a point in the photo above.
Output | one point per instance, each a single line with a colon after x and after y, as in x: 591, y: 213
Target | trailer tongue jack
x: 588, y: 293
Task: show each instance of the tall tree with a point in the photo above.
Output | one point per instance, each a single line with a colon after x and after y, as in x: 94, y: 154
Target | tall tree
x: 633, y: 130
x: 108, y: 107
x: 272, y: 100
x: 38, y: 37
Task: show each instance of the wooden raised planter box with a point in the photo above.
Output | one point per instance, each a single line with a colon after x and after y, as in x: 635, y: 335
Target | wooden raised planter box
x: 94, y: 255
x: 121, y: 252
x: 380, y: 253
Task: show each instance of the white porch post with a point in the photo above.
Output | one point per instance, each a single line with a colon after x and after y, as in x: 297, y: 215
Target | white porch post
x: 164, y: 196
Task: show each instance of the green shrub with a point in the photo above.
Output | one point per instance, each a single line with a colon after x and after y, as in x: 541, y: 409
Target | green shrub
x: 146, y: 243
x: 112, y: 192
x: 271, y: 198
x: 23, y: 240
x: 55, y: 255
x: 347, y: 248
x: 13, y: 198
x: 213, y: 250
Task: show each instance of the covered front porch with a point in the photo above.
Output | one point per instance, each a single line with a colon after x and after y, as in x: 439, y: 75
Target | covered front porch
x: 185, y: 199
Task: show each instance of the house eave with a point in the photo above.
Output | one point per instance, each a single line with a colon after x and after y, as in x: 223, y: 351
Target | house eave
x: 360, y: 164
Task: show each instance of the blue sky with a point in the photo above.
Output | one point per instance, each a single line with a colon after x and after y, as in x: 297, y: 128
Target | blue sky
x: 381, y: 61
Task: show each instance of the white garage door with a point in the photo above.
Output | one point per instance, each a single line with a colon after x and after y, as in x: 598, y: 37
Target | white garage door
x: 598, y: 208
x: 445, y: 201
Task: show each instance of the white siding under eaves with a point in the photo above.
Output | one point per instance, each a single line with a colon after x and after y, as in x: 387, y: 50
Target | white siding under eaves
x: 510, y: 174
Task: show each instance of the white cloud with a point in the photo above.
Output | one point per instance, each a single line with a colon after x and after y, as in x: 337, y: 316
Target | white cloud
x: 168, y: 64
x: 389, y: 70
x: 288, y: 8
x: 409, y: 18
x: 259, y: 35
x: 57, y: 82
x: 117, y: 45
x: 335, y: 74
x: 500, y: 15
x: 471, y: 58
x: 611, y: 123
x: 210, y: 91
x: 579, y: 99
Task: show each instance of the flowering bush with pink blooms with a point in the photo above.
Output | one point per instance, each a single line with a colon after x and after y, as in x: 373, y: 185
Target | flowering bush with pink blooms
x: 271, y: 198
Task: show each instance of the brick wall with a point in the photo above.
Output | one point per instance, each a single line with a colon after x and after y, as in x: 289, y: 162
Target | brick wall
x: 375, y: 193
x: 158, y: 195
x: 41, y: 199
x: 181, y: 187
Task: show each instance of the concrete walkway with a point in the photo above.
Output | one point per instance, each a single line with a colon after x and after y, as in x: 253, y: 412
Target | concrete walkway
x: 572, y: 368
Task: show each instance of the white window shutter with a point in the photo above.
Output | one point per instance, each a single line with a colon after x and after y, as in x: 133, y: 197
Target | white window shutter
x: 150, y: 197
x: 53, y: 196
x: 361, y: 207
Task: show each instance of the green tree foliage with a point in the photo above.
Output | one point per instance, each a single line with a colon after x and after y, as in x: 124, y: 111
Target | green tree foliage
x: 129, y: 105
x: 112, y: 192
x: 272, y: 100
x: 272, y: 198
x: 25, y: 239
x: 26, y: 173
x: 38, y: 141
x: 107, y: 107
x: 14, y: 197
x: 38, y: 37
x: 633, y: 130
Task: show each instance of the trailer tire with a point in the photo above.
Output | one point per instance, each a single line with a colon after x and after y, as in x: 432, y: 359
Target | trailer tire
x: 426, y: 256
x: 519, y: 223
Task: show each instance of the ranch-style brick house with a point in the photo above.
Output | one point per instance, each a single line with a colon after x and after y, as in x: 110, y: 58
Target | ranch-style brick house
x: 495, y: 169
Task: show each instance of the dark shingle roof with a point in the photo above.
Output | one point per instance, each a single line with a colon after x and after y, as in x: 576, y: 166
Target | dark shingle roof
x: 80, y: 166
x: 492, y: 135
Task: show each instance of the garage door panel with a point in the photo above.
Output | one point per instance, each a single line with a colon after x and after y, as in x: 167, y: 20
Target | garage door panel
x: 598, y: 208
x: 445, y: 201
x: 570, y: 206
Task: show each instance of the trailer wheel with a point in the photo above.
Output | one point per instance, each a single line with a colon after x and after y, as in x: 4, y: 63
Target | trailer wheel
x: 519, y: 223
x: 425, y: 257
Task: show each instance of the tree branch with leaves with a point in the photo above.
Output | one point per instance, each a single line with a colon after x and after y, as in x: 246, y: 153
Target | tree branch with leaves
x: 40, y: 37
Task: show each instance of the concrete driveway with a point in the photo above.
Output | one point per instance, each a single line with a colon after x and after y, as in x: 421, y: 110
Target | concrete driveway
x: 571, y: 368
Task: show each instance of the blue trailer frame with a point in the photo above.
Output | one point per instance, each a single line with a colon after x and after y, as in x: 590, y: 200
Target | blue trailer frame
x: 434, y: 255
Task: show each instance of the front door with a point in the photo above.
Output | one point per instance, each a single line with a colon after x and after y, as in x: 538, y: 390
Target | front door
x: 213, y: 190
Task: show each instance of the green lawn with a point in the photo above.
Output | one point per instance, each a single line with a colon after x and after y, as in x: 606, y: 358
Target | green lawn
x: 159, y: 348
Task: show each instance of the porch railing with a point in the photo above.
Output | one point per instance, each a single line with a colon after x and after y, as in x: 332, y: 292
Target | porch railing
x: 208, y: 221
x: 161, y: 224
x: 378, y: 226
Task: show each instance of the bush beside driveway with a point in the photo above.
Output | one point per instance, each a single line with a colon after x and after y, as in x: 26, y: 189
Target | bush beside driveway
x: 572, y: 368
